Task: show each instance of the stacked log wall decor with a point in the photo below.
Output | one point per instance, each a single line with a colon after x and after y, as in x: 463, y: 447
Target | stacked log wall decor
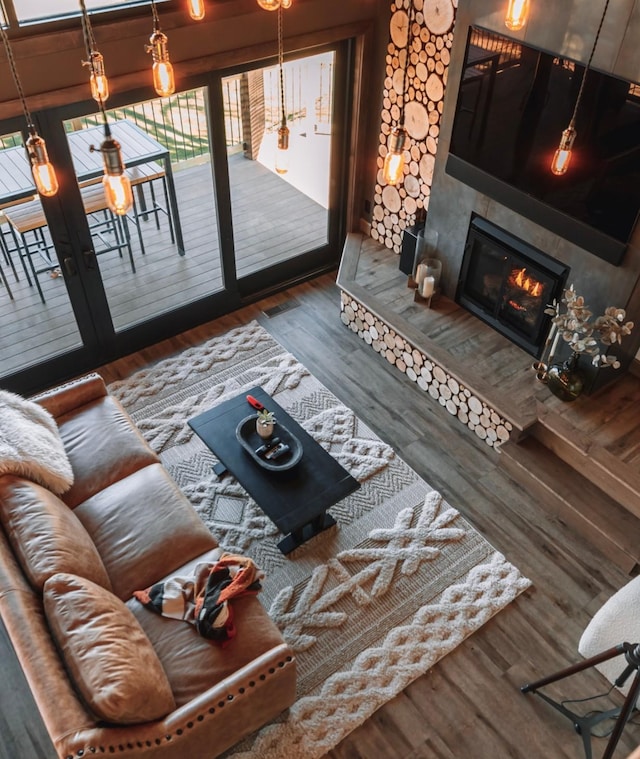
x: 395, y: 206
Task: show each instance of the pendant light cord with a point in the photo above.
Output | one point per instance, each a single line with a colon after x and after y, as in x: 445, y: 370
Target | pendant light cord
x: 89, y: 42
x: 406, y: 59
x: 588, y: 66
x: 87, y: 31
x: 280, y: 65
x: 16, y: 78
x: 156, y: 18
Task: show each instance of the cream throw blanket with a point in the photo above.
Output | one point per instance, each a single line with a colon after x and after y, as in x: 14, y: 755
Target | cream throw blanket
x: 30, y: 444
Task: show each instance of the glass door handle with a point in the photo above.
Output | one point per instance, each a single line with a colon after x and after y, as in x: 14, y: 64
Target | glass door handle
x: 69, y: 266
x: 90, y: 260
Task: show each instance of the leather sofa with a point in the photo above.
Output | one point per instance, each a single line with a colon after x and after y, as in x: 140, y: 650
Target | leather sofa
x: 109, y: 676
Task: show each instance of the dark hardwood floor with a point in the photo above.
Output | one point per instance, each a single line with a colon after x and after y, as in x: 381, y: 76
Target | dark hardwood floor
x: 469, y: 704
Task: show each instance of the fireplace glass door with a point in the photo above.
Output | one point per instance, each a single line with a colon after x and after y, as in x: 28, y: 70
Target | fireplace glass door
x: 508, y: 284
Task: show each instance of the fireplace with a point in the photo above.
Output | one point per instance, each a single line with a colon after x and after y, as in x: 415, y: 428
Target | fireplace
x: 508, y: 283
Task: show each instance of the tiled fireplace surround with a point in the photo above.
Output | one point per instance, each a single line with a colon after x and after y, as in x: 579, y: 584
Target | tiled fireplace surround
x: 567, y: 28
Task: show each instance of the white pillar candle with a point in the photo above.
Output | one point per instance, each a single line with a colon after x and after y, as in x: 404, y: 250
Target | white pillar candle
x: 421, y: 273
x: 554, y: 346
x: 428, y: 285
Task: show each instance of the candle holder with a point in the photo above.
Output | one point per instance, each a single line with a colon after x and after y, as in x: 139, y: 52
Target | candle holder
x: 426, y: 247
x: 427, y: 278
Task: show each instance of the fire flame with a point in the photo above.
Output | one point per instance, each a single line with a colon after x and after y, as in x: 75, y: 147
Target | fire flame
x: 526, y: 283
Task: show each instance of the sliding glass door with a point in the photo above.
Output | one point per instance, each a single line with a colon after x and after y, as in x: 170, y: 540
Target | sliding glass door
x: 286, y: 208
x: 212, y: 225
x: 164, y: 254
x: 280, y: 204
x: 37, y: 319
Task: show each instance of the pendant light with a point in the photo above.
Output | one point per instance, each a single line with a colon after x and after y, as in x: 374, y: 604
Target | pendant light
x: 517, y: 14
x: 562, y: 156
x: 196, y: 9
x: 116, y: 184
x: 273, y: 5
x: 282, y: 153
x: 393, y: 167
x: 163, y: 79
x: 98, y: 79
x: 44, y: 175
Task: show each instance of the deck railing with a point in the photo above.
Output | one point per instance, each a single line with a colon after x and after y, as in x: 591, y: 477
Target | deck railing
x: 180, y: 121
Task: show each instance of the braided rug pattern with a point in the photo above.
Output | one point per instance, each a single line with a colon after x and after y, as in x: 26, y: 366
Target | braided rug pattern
x: 368, y: 605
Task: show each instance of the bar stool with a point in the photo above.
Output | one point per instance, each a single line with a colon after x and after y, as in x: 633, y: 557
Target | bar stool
x: 146, y: 174
x: 105, y: 222
x: 28, y: 224
x: 7, y: 242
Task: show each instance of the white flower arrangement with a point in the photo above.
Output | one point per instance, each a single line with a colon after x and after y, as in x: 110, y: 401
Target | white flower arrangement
x: 582, y: 335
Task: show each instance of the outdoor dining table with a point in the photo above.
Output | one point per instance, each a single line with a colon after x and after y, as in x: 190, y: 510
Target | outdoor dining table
x: 137, y: 148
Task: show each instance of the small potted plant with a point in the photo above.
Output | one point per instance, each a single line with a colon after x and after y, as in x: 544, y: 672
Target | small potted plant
x: 265, y: 422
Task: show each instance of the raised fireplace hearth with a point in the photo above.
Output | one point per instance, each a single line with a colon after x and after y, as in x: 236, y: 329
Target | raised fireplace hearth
x: 508, y: 283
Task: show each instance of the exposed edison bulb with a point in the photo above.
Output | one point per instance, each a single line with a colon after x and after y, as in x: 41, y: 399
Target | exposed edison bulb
x: 117, y: 193
x: 282, y: 154
x: 286, y: 3
x: 517, y: 14
x: 163, y: 78
x: 271, y: 5
x: 116, y: 184
x: 99, y: 88
x: 393, y: 167
x: 44, y: 175
x: 98, y: 80
x: 196, y: 9
x: 562, y: 156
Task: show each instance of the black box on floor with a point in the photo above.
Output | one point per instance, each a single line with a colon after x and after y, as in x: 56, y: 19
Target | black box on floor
x: 408, y: 250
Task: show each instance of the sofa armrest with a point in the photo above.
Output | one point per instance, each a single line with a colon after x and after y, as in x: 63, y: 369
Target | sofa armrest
x: 64, y: 398
x: 206, y: 726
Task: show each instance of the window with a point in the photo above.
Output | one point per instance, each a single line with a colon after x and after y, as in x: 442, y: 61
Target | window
x: 33, y: 11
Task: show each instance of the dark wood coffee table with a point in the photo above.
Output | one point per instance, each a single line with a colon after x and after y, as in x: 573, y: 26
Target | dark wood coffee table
x: 296, y: 500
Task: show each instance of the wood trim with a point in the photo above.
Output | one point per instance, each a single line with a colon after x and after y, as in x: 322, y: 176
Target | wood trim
x: 222, y: 60
x: 116, y: 25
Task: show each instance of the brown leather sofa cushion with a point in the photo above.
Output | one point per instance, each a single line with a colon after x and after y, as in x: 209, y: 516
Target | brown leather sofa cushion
x: 103, y: 447
x: 143, y: 527
x: 108, y: 656
x: 194, y: 664
x: 47, y: 537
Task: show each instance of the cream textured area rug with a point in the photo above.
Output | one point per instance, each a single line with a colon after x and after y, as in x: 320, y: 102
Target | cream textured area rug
x: 368, y: 605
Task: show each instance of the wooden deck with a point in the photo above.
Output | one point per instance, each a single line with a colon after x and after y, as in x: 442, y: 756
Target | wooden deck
x: 267, y: 230
x: 581, y: 458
